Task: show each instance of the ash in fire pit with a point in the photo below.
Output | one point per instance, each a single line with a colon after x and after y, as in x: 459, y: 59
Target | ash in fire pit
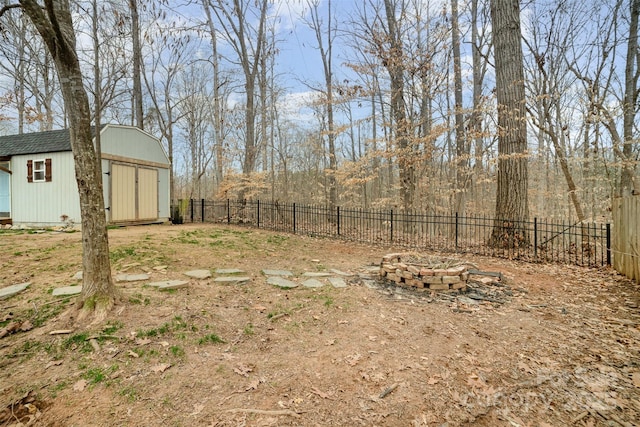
x: 435, y: 274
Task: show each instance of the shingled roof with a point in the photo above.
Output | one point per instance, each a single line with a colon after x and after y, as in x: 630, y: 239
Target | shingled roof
x: 50, y: 141
x: 35, y: 143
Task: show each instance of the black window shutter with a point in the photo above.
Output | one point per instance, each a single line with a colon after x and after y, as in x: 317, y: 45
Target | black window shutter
x: 47, y: 170
x: 29, y: 170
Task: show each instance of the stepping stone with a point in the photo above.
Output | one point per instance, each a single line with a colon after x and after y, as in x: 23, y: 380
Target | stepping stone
x: 199, y: 274
x: 12, y: 290
x: 170, y: 284
x: 232, y: 279
x: 340, y: 273
x: 316, y: 274
x: 131, y: 277
x: 173, y: 284
x: 312, y: 283
x: 281, y: 282
x: 66, y: 290
x: 371, y: 284
x: 467, y: 300
x: 77, y: 276
x: 277, y: 273
x: 337, y: 282
x: 229, y: 271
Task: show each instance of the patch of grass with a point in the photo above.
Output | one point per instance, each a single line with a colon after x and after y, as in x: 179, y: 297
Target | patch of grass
x: 129, y: 392
x: 112, y: 327
x: 28, y: 349
x: 248, y: 330
x: 122, y: 253
x: 177, y: 324
x: 148, y: 333
x: 277, y: 239
x: 139, y: 299
x: 97, y: 375
x: 189, y: 237
x: 328, y: 301
x: 136, y: 300
x: 39, y: 315
x: 53, y: 390
x: 18, y: 253
x: 176, y: 351
x: 78, y: 342
x: 210, y: 339
x: 94, y: 375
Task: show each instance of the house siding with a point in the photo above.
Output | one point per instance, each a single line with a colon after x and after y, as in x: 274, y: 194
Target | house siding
x: 43, y: 203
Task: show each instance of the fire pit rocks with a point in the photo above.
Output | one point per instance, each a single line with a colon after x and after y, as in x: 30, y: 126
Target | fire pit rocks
x: 435, y: 274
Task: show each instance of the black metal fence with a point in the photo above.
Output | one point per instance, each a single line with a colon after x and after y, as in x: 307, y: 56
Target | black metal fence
x: 543, y: 241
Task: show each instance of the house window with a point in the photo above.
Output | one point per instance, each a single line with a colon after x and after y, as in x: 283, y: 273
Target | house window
x: 39, y: 170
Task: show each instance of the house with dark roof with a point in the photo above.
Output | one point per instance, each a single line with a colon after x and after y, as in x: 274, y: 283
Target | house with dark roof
x: 38, y: 185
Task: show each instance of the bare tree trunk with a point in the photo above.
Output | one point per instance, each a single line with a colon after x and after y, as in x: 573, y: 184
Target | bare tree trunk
x: 97, y: 88
x: 479, y: 69
x: 137, y: 64
x: 327, y: 59
x: 249, y: 48
x: 628, y: 184
x: 462, y: 153
x: 217, y: 113
x: 512, y: 206
x: 55, y: 26
x: 395, y: 67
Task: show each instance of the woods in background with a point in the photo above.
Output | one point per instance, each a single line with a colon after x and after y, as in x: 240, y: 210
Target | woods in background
x: 410, y: 106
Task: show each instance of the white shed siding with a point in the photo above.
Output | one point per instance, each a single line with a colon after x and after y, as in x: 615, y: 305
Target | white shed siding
x: 43, y: 203
x: 133, y: 143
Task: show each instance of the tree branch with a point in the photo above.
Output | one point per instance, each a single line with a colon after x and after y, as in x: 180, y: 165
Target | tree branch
x: 8, y: 7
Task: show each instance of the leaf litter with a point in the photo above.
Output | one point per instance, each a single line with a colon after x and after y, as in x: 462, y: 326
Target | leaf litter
x: 547, y: 345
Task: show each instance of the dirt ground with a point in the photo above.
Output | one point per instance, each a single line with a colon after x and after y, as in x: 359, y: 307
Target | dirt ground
x: 555, y: 346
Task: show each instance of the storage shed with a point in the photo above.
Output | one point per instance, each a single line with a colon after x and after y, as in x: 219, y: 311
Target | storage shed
x: 38, y: 185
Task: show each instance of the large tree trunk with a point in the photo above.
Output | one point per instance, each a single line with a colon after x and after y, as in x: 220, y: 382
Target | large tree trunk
x: 55, y: 26
x: 462, y: 152
x: 395, y: 66
x: 512, y: 207
x: 628, y: 185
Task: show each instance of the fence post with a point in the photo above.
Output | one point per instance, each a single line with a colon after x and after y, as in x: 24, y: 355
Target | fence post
x: 456, y: 230
x: 228, y: 211
x: 191, y: 208
x: 294, y: 218
x: 258, y: 213
x: 535, y: 238
x: 608, y: 244
x: 202, y: 209
x: 338, y: 218
x: 391, y: 226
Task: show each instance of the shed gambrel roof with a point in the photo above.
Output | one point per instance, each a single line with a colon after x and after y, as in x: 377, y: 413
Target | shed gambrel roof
x: 35, y: 143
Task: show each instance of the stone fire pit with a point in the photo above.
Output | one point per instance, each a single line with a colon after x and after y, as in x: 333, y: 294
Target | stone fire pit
x: 411, y: 270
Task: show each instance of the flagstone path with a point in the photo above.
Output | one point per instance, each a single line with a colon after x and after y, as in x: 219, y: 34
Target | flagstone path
x: 232, y: 276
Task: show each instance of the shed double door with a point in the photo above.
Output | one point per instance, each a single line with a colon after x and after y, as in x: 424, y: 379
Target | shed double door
x: 134, y: 193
